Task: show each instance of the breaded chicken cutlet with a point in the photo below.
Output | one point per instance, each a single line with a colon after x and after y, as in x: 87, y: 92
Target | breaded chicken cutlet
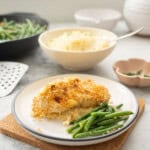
x: 68, y: 99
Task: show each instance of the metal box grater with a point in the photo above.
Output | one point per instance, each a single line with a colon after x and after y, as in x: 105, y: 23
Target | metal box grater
x: 10, y: 74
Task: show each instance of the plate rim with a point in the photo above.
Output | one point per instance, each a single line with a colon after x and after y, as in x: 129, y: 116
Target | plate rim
x: 22, y: 124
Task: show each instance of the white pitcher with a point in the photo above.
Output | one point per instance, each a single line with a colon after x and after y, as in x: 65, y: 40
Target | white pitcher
x: 137, y: 14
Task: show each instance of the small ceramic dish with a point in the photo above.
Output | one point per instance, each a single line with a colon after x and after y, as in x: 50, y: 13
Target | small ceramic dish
x: 98, y: 17
x: 133, y: 72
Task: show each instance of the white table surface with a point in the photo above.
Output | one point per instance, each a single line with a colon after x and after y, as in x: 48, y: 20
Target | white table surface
x: 41, y: 66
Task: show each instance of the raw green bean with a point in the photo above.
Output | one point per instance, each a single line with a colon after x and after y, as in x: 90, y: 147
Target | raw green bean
x: 98, y: 132
x: 37, y: 27
x: 11, y: 30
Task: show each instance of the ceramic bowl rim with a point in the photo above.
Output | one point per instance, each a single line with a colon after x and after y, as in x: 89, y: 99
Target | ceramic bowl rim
x: 83, y: 18
x: 42, y: 44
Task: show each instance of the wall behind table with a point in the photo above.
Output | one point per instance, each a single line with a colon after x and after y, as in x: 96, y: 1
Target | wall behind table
x: 55, y: 10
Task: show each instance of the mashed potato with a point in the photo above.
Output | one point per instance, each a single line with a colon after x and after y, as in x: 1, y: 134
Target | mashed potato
x: 78, y: 40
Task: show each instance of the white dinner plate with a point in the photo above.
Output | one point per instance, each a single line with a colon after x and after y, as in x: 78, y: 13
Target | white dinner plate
x: 53, y: 131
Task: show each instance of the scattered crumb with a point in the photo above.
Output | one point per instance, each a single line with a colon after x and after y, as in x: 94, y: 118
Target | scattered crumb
x: 39, y: 130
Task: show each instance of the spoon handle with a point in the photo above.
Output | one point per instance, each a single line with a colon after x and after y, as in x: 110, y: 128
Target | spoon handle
x: 130, y: 34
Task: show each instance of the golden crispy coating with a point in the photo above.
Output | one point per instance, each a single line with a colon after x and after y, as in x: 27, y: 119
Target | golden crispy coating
x: 68, y: 98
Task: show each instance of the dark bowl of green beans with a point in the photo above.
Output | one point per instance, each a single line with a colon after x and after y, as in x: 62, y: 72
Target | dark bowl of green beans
x: 19, y: 34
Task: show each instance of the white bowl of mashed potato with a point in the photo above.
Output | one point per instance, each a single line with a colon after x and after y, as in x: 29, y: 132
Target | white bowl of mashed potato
x: 77, y: 49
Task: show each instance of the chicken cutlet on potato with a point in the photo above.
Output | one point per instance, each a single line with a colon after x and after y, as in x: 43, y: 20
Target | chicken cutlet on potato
x: 68, y: 99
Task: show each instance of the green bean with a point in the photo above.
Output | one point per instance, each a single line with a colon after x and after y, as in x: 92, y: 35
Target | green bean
x: 100, y: 120
x: 10, y: 23
x: 30, y: 26
x: 78, y: 130
x: 37, y: 27
x: 76, y: 124
x: 69, y: 130
x: 104, y: 104
x: 3, y: 36
x: 99, y: 113
x: 119, y: 106
x: 113, y: 115
x: 97, y: 128
x: 22, y: 32
x: 111, y: 121
x: 11, y: 30
x: 111, y: 109
x: 98, y: 132
x: 89, y: 123
x: 108, y: 121
x: 117, y: 114
x: 103, y: 127
x: 40, y: 30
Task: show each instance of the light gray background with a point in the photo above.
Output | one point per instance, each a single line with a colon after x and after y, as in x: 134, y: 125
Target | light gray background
x: 56, y: 10
x: 41, y: 66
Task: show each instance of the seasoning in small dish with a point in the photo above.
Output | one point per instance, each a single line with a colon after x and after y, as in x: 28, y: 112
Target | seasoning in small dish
x: 137, y: 73
x: 147, y: 75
